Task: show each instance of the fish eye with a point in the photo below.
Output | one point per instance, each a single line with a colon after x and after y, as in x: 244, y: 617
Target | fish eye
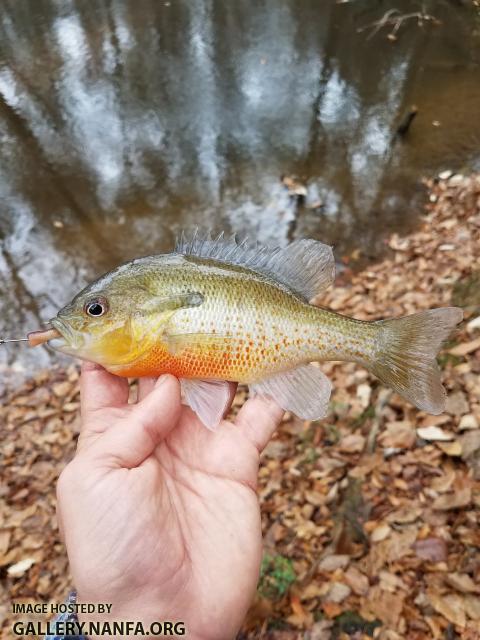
x: 96, y: 308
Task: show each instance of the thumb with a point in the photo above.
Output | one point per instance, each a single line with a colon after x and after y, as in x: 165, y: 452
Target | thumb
x: 148, y: 423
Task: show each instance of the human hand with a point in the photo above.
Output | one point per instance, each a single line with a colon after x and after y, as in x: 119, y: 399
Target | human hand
x: 160, y: 516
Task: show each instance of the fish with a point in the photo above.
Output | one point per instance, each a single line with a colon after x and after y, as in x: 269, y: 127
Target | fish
x: 216, y: 310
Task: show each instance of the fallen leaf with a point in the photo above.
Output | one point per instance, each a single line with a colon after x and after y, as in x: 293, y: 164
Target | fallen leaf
x: 450, y: 606
x: 321, y: 630
x: 467, y: 422
x: 380, y: 532
x: 462, y: 582
x: 364, y: 393
x: 314, y: 498
x: 357, y: 581
x: 465, y: 348
x: 398, y: 435
x: 338, y: 592
x: 17, y: 570
x: 451, y: 448
x: 389, y: 581
x: 5, y: 537
x: 405, y: 515
x: 300, y: 617
x: 353, y: 443
x: 470, y: 443
x: 456, y: 404
x: 436, y: 421
x: 472, y: 607
x: 383, y: 605
x: 431, y: 549
x: 331, y: 609
x: 443, y: 483
x: 447, y: 501
x: 61, y: 389
x: 435, y: 434
x: 334, y: 562
x: 473, y: 324
x: 313, y: 590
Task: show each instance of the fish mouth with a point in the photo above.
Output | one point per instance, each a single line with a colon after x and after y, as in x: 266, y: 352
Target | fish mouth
x: 67, y: 337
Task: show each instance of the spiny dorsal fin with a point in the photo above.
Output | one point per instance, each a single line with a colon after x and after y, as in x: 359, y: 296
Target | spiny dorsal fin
x: 307, y: 267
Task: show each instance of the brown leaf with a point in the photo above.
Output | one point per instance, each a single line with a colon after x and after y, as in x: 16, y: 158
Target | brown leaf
x: 334, y: 562
x: 383, y: 605
x: 467, y: 422
x: 434, y: 434
x: 61, y: 389
x: 338, y: 592
x: 300, y: 617
x: 357, y: 581
x: 315, y: 498
x: 398, y: 435
x: 405, y: 515
x: 472, y: 606
x: 431, y: 549
x: 451, y: 448
x: 18, y: 569
x: 444, y: 482
x: 321, y: 630
x: 331, y: 609
x: 4, y: 541
x: 447, y: 501
x: 470, y: 443
x: 462, y: 582
x: 465, y: 348
x: 380, y: 532
x: 450, y: 606
x: 312, y: 590
x: 457, y: 404
x: 353, y: 443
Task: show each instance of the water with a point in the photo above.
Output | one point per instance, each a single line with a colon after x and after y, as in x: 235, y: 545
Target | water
x: 122, y: 122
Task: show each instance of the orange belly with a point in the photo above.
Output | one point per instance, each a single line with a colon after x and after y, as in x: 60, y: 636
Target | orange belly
x: 237, y: 363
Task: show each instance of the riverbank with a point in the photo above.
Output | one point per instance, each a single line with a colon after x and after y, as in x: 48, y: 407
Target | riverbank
x: 370, y: 517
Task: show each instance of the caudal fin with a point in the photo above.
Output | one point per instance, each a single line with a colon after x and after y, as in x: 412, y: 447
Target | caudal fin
x: 406, y: 357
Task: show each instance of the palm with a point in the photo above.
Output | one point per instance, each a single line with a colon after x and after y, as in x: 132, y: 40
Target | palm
x: 192, y: 544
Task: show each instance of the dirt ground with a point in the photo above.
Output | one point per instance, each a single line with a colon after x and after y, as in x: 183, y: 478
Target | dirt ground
x: 371, y: 517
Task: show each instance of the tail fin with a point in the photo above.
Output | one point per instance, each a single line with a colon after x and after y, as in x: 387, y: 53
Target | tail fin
x: 406, y: 357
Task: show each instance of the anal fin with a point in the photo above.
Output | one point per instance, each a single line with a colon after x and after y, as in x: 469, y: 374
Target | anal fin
x: 305, y: 391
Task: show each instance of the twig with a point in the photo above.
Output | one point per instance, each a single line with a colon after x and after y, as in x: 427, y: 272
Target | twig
x: 406, y: 121
x: 390, y: 18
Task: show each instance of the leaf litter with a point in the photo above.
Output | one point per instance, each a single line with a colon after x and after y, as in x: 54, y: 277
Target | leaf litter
x: 370, y: 517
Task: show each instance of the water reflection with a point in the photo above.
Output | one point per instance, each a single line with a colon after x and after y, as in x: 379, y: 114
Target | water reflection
x: 122, y: 122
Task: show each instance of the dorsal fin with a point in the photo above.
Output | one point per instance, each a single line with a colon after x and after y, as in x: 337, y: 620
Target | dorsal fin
x: 307, y: 267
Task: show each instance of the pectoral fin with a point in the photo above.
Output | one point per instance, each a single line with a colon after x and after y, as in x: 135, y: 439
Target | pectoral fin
x: 208, y: 398
x: 305, y: 391
x: 164, y: 304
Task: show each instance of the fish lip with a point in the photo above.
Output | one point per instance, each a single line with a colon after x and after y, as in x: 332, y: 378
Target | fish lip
x: 66, y: 333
